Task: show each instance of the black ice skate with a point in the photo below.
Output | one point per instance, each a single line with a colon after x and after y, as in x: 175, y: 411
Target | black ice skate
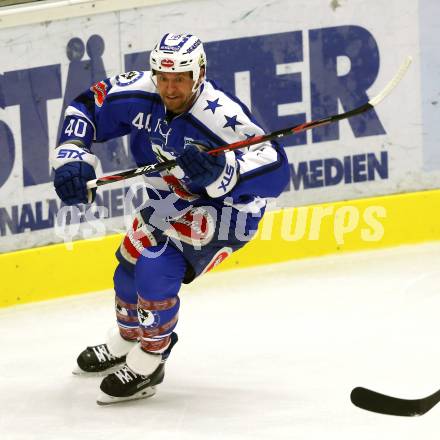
x: 124, y: 384
x: 98, y: 360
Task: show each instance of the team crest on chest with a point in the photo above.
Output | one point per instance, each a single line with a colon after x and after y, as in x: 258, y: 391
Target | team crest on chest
x: 163, y: 130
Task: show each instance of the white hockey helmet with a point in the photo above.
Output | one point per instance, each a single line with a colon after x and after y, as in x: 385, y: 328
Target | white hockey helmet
x: 179, y: 53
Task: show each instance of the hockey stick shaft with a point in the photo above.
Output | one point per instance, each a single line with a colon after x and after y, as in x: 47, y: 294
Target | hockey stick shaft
x: 381, y: 403
x: 161, y: 166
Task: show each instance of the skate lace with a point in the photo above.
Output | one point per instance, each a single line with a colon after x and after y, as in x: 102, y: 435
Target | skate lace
x: 126, y: 375
x: 102, y: 353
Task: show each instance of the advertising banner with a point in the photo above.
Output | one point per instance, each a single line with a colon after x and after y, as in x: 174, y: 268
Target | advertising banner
x: 290, y: 62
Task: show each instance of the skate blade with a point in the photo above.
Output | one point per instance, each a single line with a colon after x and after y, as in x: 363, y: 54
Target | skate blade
x: 77, y: 371
x: 104, y: 399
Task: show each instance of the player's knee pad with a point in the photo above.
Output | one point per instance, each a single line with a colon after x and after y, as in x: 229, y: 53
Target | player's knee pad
x: 158, y: 281
x: 157, y: 320
x: 126, y: 303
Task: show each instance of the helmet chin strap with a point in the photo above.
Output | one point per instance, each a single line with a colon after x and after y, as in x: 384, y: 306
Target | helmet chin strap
x: 198, y: 83
x: 153, y: 79
x: 195, y: 95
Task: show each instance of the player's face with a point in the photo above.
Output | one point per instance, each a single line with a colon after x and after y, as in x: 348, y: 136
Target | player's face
x: 175, y: 89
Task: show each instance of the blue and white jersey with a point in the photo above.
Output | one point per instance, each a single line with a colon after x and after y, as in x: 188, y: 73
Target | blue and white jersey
x: 130, y: 104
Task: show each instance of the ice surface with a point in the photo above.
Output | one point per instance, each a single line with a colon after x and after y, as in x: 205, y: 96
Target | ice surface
x: 264, y: 353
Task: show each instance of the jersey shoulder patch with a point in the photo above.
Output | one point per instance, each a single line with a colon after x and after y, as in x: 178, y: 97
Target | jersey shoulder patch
x: 127, y: 78
x: 132, y: 82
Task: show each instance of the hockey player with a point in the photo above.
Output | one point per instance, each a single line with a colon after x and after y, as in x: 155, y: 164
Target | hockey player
x: 170, y: 112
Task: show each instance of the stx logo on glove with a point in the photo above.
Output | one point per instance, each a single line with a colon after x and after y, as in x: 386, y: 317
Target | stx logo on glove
x: 65, y: 153
x: 229, y: 174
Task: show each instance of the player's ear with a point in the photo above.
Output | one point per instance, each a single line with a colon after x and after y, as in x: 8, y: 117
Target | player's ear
x: 202, y: 73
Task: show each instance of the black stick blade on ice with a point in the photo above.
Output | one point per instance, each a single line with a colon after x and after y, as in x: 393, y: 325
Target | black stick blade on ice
x: 383, y: 404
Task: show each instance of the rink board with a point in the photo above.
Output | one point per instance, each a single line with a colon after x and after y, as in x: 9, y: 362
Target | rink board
x: 292, y: 233
x: 289, y: 62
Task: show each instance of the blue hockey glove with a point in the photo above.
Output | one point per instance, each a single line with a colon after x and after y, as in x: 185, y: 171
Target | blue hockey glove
x: 71, y: 183
x: 200, y: 167
x: 73, y: 167
x: 218, y: 174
